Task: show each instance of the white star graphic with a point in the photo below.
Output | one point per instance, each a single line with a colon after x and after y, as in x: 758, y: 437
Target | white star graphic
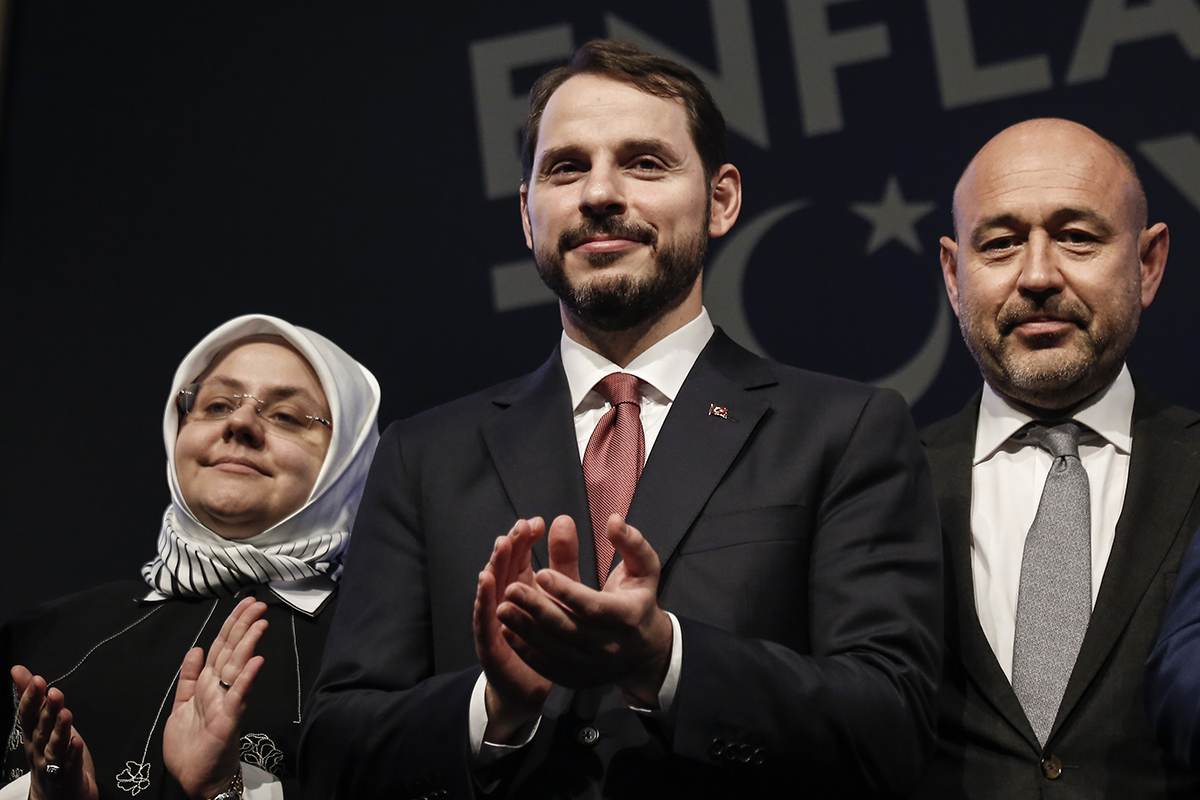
x: 893, y: 218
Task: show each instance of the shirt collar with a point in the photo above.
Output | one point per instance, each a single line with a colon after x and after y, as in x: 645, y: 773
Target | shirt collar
x: 307, y: 595
x: 664, y: 366
x: 1109, y: 414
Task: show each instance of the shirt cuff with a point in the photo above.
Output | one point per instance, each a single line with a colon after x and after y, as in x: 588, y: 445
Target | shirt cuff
x: 18, y: 789
x: 666, y: 695
x: 258, y: 784
x: 666, y: 692
x: 485, y: 753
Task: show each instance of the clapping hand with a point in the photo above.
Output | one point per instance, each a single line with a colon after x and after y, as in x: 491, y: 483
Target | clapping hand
x: 515, y: 692
x: 577, y: 636
x: 59, y: 761
x: 200, y: 740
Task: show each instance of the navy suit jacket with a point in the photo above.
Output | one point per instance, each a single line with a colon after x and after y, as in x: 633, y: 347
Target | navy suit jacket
x: 800, y: 551
x: 1101, y: 737
x: 1173, y: 672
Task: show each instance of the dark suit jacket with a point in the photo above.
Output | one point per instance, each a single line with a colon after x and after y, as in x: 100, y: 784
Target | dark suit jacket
x: 800, y: 551
x: 986, y: 747
x: 1173, y: 671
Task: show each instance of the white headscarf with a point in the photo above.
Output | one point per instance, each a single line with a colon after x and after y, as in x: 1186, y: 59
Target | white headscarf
x: 193, y: 561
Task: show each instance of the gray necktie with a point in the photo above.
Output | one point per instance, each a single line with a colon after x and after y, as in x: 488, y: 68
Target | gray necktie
x: 1054, y: 602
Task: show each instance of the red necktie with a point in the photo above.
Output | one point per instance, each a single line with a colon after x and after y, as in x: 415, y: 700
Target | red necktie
x: 613, y: 460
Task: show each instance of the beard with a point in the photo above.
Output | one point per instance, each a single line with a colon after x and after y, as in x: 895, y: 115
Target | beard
x: 622, y: 302
x: 1052, y: 372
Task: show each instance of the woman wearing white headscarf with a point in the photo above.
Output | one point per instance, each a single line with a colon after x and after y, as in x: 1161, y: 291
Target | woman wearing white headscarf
x: 269, y: 432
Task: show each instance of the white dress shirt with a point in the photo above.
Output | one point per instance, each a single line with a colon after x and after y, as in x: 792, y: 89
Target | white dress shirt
x: 1007, y: 478
x: 662, y: 369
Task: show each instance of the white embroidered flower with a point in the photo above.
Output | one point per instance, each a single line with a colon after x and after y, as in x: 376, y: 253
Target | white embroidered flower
x: 135, y: 777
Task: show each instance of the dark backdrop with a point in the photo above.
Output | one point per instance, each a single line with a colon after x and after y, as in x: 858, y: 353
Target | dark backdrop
x: 164, y: 167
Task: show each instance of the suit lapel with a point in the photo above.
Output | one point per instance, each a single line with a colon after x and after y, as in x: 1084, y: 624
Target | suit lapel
x: 1163, y: 480
x: 950, y: 448
x: 532, y: 445
x: 695, y: 449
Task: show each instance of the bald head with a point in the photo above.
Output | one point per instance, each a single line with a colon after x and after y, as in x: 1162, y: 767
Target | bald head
x: 1052, y: 262
x: 1057, y: 144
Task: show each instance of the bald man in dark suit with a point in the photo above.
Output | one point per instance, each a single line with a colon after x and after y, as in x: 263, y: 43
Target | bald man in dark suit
x: 1051, y: 265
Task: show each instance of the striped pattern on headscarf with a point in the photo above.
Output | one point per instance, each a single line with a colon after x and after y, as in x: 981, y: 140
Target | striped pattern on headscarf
x: 188, y: 567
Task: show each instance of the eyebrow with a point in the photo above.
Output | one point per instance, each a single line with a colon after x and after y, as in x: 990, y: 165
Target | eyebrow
x: 1059, y: 217
x: 273, y: 393
x: 657, y: 146
x: 653, y: 145
x: 1082, y: 215
x: 555, y: 154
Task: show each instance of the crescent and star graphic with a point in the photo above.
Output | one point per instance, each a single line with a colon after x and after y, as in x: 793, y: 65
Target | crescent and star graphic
x: 892, y: 218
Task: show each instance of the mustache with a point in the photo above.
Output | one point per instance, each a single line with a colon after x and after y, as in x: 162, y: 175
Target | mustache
x: 606, y: 226
x: 1022, y: 311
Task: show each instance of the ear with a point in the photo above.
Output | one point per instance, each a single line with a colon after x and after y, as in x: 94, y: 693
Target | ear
x: 726, y: 200
x: 1153, y: 245
x: 949, y: 258
x: 525, y: 215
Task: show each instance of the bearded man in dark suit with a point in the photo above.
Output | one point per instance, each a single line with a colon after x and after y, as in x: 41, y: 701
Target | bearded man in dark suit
x: 1059, y: 557
x: 771, y: 620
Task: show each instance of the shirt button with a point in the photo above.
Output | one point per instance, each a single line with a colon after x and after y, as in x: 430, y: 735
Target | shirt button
x: 1051, y: 767
x: 587, y: 735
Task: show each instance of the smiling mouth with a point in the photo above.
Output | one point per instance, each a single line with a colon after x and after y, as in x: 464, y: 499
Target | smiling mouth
x: 610, y: 245
x: 1047, y: 322
x: 606, y: 235
x: 239, y: 466
x: 1044, y: 326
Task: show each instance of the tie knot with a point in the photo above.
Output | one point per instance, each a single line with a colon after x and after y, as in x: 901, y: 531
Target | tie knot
x: 1057, y: 438
x: 619, y: 387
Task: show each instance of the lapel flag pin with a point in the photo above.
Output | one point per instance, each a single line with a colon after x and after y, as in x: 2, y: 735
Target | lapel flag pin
x: 718, y: 411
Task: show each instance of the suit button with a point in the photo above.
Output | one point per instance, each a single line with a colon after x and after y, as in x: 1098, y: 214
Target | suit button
x: 745, y: 753
x: 587, y: 735
x: 717, y: 748
x: 1051, y: 767
x: 760, y: 755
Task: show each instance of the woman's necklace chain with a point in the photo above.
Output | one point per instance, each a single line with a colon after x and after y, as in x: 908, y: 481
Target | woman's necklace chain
x: 136, y: 775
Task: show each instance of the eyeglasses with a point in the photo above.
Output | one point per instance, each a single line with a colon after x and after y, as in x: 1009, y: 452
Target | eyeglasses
x: 204, y: 402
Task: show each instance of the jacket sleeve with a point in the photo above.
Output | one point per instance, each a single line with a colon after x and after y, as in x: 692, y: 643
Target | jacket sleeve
x: 379, y: 723
x: 856, y: 711
x: 1173, y: 669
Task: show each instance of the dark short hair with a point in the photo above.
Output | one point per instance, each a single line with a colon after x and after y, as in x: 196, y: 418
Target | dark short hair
x: 662, y: 77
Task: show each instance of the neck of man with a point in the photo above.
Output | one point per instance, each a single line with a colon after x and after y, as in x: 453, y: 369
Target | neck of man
x: 623, y: 346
